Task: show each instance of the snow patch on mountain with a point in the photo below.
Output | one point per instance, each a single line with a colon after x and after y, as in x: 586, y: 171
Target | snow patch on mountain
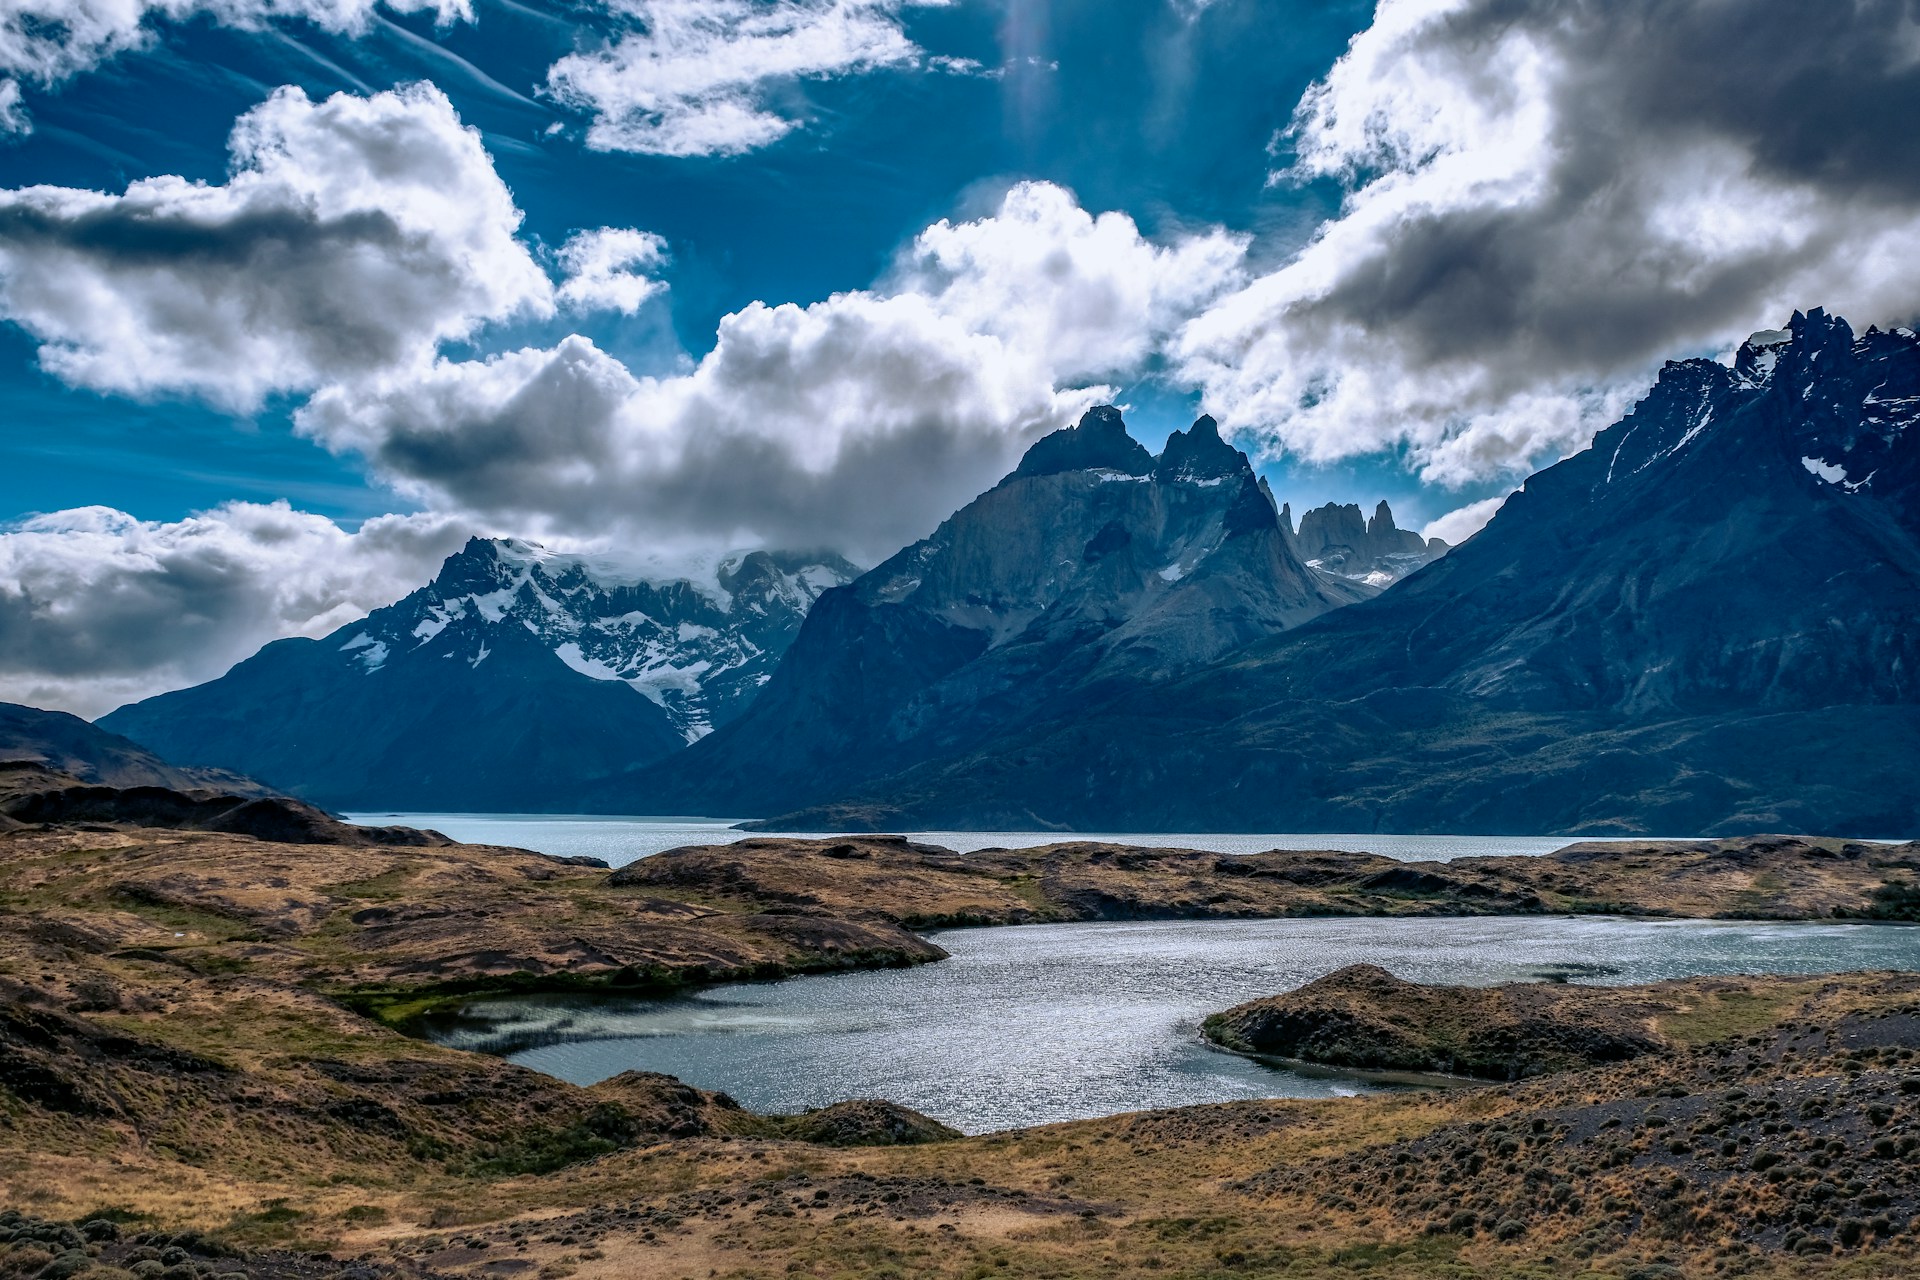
x: 1825, y: 470
x: 699, y: 650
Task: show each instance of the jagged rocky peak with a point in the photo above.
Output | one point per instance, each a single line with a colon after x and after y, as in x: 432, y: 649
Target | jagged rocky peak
x: 700, y: 650
x: 1199, y: 455
x: 1812, y: 399
x: 1092, y: 566
x: 1331, y: 526
x: 1337, y: 540
x: 1099, y: 442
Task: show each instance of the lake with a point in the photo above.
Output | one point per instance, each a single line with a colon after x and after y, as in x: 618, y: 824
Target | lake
x: 1038, y: 1023
x: 619, y: 841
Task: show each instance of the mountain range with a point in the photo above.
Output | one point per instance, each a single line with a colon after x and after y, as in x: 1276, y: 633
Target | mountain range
x: 1702, y: 623
x: 509, y: 682
x: 1092, y: 569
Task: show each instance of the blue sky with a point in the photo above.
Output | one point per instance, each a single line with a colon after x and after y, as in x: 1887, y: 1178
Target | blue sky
x: 1157, y: 109
x: 297, y: 295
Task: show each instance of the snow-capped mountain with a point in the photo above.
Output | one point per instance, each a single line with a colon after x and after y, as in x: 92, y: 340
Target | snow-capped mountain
x: 699, y: 652
x: 513, y: 678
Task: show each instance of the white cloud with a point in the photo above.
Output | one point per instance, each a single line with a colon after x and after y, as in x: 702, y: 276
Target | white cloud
x: 1544, y: 202
x: 1462, y: 523
x: 858, y: 422
x: 1089, y: 294
x: 606, y: 269
x: 50, y: 40
x: 13, y: 116
x: 98, y: 608
x: 700, y: 77
x: 355, y: 234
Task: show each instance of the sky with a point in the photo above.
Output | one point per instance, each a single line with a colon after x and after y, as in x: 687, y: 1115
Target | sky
x: 297, y: 295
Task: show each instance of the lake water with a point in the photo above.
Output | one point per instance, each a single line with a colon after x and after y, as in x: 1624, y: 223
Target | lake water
x: 619, y: 841
x: 1038, y: 1023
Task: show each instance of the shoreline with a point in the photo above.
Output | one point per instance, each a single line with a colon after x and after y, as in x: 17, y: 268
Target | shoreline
x: 176, y: 1040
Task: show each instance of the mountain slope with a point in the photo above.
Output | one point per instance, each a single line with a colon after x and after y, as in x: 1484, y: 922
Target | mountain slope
x: 66, y: 744
x: 511, y: 681
x: 1706, y: 622
x: 1090, y: 569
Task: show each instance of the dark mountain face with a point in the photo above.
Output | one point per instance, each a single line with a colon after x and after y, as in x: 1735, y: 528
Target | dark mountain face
x: 1744, y: 539
x: 512, y: 681
x: 1337, y: 540
x: 1090, y: 569
x: 65, y: 744
x: 1709, y: 621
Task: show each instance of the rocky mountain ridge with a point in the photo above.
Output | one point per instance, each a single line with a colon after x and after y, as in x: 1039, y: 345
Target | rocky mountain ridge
x: 1702, y: 623
x: 1091, y: 568
x: 502, y: 684
x: 54, y: 742
x: 1337, y: 540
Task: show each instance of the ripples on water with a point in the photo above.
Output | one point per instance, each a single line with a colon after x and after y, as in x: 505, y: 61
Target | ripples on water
x: 619, y: 841
x: 1040, y: 1023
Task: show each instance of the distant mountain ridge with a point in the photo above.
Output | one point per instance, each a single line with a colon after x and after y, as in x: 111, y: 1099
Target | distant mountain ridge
x: 1707, y: 622
x: 1091, y: 568
x: 507, y: 682
x: 59, y: 743
x: 1337, y: 540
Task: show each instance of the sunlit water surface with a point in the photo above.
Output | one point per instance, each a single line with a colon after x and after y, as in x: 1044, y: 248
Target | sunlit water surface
x: 618, y: 841
x: 1038, y: 1023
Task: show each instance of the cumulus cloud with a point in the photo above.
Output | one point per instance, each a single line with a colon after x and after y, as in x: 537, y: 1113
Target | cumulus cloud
x: 1462, y: 523
x: 355, y: 234
x: 1089, y: 294
x: 700, y: 77
x: 857, y: 422
x: 607, y: 269
x: 50, y: 40
x: 98, y: 608
x: 1544, y: 199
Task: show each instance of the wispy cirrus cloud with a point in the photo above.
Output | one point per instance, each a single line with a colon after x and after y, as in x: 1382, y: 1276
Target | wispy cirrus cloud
x: 708, y: 77
x: 48, y: 41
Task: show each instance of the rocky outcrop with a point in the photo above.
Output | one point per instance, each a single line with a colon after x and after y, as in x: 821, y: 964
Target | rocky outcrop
x: 1364, y: 1017
x: 30, y: 795
x: 864, y: 1122
x: 892, y: 879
